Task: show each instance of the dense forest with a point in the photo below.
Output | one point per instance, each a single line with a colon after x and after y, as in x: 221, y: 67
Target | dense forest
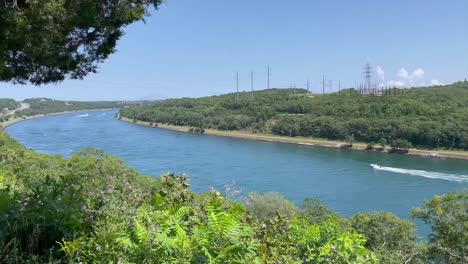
x: 92, y: 208
x: 430, y: 117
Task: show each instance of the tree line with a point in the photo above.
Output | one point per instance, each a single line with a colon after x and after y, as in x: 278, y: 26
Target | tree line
x: 429, y: 117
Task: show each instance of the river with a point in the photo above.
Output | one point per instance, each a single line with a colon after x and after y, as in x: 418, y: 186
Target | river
x: 342, y: 179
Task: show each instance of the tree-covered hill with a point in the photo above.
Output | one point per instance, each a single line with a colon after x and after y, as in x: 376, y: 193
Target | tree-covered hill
x: 429, y: 117
x: 9, y: 104
x: 46, y: 106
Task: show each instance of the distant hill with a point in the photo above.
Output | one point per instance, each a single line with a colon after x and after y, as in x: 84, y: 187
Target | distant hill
x: 7, y: 104
x: 45, y: 106
x: 429, y: 117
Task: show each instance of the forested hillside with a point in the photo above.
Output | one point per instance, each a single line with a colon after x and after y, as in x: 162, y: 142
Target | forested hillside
x: 430, y: 117
x: 92, y: 208
x: 45, y: 106
x: 7, y: 103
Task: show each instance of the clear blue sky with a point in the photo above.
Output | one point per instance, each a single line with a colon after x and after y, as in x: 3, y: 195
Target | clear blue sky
x: 194, y: 48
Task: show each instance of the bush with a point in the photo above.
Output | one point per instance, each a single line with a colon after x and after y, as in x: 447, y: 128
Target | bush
x: 400, y: 146
x: 199, y: 130
x: 392, y: 238
x: 265, y: 207
x: 382, y: 142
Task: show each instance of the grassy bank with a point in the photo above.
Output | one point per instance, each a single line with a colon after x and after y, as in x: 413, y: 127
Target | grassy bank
x: 306, y: 141
x: 20, y: 119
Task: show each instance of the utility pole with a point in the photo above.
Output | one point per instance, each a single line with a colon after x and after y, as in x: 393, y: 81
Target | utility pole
x: 252, y: 83
x: 237, y: 85
x: 323, y: 84
x: 268, y: 73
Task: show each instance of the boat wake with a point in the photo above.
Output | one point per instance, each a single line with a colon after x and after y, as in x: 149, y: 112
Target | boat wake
x: 426, y: 174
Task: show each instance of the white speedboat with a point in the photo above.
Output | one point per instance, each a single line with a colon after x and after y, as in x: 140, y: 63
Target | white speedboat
x: 375, y: 166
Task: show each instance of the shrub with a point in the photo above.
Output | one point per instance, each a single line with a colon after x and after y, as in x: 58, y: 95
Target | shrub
x: 199, y: 130
x: 265, y: 207
x: 382, y: 142
x: 393, y: 239
x: 400, y: 146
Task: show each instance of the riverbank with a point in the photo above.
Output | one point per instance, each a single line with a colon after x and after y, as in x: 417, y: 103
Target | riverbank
x: 20, y: 119
x: 306, y: 141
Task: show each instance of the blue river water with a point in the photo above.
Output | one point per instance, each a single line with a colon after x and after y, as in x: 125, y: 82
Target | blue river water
x: 342, y: 179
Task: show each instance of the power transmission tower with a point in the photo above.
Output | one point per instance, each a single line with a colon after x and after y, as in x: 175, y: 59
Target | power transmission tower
x: 368, y: 77
x: 237, y: 85
x: 339, y: 86
x: 308, y: 85
x: 252, y: 83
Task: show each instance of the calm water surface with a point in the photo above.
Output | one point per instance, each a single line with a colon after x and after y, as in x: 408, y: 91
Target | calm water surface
x: 341, y: 179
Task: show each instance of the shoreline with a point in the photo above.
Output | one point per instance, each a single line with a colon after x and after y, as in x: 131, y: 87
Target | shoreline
x: 17, y: 120
x: 307, y: 141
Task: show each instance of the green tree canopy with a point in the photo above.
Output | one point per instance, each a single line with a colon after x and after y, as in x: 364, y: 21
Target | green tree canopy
x: 448, y: 217
x: 43, y: 41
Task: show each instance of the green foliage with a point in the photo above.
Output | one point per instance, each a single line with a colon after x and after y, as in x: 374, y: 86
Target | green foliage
x: 317, y: 213
x: 45, y: 106
x: 400, y: 144
x: 393, y: 239
x: 49, y: 199
x: 448, y: 217
x: 382, y: 142
x: 349, y: 141
x: 9, y: 104
x: 92, y: 208
x: 431, y: 117
x: 49, y: 40
x: 327, y: 244
x: 265, y: 207
x: 199, y: 130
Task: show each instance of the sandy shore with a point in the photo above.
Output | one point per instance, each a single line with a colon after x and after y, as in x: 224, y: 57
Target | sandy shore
x: 307, y: 141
